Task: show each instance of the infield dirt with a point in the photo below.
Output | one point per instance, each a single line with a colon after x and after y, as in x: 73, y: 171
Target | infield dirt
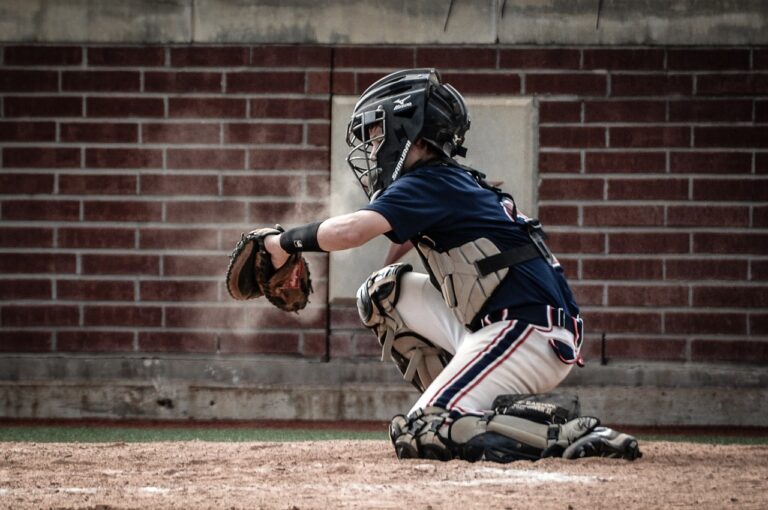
x: 365, y: 474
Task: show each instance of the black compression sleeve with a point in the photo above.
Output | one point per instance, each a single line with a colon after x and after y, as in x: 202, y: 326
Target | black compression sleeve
x: 303, y: 238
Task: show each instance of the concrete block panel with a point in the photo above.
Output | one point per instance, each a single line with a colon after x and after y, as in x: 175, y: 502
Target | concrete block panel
x: 500, y: 143
x: 92, y: 21
x: 708, y: 22
x: 345, y: 22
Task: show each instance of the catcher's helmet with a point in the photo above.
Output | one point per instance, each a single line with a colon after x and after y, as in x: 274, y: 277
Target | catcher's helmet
x: 406, y: 105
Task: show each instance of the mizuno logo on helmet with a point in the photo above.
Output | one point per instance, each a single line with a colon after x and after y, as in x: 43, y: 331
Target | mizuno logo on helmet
x: 400, y: 104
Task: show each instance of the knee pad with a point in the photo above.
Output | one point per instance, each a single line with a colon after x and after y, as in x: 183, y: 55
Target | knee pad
x: 415, y: 356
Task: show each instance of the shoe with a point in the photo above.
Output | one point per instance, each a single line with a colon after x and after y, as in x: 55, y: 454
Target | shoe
x: 604, y: 442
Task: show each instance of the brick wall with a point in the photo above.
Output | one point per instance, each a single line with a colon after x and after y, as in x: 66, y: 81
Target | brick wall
x: 128, y: 173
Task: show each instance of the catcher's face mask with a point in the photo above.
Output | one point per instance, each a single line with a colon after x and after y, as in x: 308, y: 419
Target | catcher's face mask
x: 366, y: 134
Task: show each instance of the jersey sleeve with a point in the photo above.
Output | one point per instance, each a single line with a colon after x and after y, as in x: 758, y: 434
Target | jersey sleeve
x: 412, y: 204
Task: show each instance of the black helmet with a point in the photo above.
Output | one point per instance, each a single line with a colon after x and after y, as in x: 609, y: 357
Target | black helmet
x: 407, y: 105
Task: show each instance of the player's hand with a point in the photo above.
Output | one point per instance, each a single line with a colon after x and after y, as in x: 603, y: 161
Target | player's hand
x: 278, y: 255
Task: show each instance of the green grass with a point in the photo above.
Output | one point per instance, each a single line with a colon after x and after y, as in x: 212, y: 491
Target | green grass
x: 96, y: 434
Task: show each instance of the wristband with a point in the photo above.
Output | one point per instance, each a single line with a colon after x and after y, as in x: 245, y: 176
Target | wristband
x: 303, y: 238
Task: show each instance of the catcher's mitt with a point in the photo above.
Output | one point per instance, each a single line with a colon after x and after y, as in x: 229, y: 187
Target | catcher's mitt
x: 251, y: 274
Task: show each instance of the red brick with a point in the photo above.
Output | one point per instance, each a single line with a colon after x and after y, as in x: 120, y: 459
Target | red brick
x: 97, y: 184
x: 366, y: 345
x: 290, y: 108
x: 96, y: 238
x: 625, y: 162
x: 761, y: 111
x: 710, y: 162
x: 37, y: 316
x: 314, y: 345
x: 743, y: 243
x: 649, y: 243
x: 624, y: 59
x: 567, y: 215
x: 572, y: 137
x: 760, y: 216
x: 48, y: 263
x: 705, y: 269
x: 740, y: 351
x: 294, y: 159
x: 587, y: 294
x: 345, y: 318
x: 621, y: 269
x: 559, y: 111
x: 253, y: 185
x: 647, y: 295
x: 456, y: 57
x: 100, y: 81
x: 26, y: 341
x: 710, y: 111
x: 59, y: 106
x: 623, y: 215
x: 343, y: 83
x: 559, y: 162
x: 577, y: 84
x: 761, y: 162
x: 319, y: 135
x: 647, y: 189
x: 368, y: 56
x: 318, y: 82
x: 180, y: 133
x: 650, y: 137
x: 624, y: 322
x: 206, y: 159
x: 140, y: 56
x: 122, y: 107
x: 690, y: 59
x: 260, y: 343
x: 705, y: 323
x: 123, y: 158
x: 15, y: 131
x: 94, y: 341
x: 26, y: 237
x: 707, y: 216
x: 41, y: 210
x: 576, y: 242
x: 43, y: 55
x: 749, y: 190
x: 179, y: 185
x: 732, y: 84
x: 124, y: 315
x: 571, y: 189
x: 13, y: 290
x: 625, y: 111
x: 318, y: 186
x: 207, y: 56
x: 732, y: 136
x: 651, y: 84
x: 642, y: 349
x: 539, y: 58
x: 32, y: 184
x: 28, y: 81
x: 93, y: 132
x: 123, y: 211
x: 289, y: 212
x: 181, y: 238
x: 184, y: 83
x: 263, y: 133
x: 185, y: 342
x: 340, y: 345
x: 291, y: 56
x: 484, y: 83
x: 192, y: 265
x: 758, y: 324
x: 95, y: 290
x: 730, y: 296
x: 178, y: 291
x: 201, y: 107
x: 266, y: 82
x: 760, y: 60
x: 205, y: 211
x: 245, y: 317
x: 41, y: 157
x: 123, y: 264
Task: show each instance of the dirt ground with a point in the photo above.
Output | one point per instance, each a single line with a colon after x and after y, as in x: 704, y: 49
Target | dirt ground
x: 365, y: 474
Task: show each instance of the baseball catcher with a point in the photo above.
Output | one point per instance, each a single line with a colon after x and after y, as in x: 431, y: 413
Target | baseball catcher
x: 493, y: 314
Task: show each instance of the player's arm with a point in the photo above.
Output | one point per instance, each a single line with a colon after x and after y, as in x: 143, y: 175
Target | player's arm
x: 334, y: 234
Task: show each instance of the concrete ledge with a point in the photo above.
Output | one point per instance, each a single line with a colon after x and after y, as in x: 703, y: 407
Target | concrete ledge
x: 214, y: 388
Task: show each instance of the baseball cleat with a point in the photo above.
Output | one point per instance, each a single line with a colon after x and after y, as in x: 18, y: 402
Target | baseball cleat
x: 604, y: 442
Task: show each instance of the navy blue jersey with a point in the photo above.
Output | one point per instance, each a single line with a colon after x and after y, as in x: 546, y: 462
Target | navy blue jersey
x: 447, y: 205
